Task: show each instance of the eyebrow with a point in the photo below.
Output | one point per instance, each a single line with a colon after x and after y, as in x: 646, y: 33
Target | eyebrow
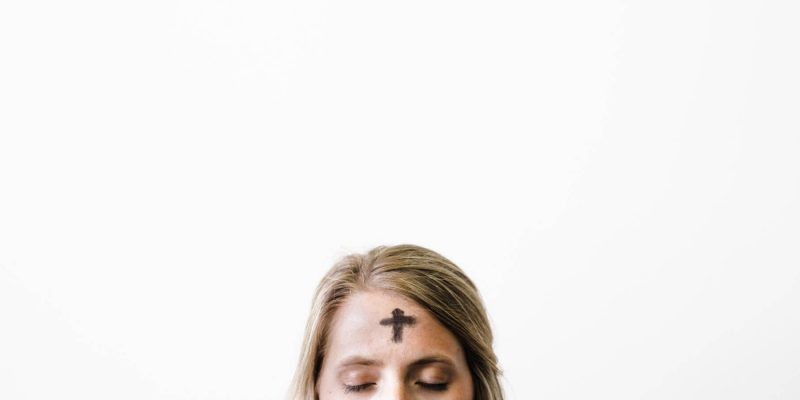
x: 432, y: 360
x: 360, y: 360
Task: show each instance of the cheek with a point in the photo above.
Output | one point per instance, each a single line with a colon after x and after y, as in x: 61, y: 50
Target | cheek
x: 463, y: 391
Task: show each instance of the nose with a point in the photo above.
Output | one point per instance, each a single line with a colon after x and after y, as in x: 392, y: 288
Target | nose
x: 395, y: 390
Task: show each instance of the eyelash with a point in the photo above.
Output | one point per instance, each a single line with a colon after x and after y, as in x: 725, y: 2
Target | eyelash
x: 437, y: 387
x: 356, y: 388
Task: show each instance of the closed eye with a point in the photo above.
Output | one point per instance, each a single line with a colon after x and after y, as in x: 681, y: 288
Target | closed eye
x: 357, y: 388
x: 437, y: 387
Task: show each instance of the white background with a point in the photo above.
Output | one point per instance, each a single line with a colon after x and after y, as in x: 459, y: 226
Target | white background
x: 620, y: 178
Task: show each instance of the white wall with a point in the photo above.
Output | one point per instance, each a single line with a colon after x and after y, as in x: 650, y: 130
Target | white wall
x: 620, y: 178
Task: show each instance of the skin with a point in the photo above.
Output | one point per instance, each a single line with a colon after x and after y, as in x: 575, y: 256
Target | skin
x: 362, y: 355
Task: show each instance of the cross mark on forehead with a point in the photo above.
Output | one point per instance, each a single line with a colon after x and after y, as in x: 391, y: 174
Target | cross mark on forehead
x: 398, y: 322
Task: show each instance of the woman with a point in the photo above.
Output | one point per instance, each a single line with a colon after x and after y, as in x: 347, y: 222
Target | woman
x: 399, y: 322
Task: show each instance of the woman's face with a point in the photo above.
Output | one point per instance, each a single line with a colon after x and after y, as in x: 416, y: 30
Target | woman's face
x: 384, y: 346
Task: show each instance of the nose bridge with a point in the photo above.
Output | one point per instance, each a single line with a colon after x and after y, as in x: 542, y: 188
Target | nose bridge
x: 398, y: 392
x: 394, y: 388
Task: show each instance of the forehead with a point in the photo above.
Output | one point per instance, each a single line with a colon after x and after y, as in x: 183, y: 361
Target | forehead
x: 356, y: 330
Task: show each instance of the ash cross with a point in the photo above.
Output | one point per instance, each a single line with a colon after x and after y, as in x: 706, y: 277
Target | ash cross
x: 397, y: 321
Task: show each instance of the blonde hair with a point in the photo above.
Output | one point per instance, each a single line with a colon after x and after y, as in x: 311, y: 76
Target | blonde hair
x: 420, y: 274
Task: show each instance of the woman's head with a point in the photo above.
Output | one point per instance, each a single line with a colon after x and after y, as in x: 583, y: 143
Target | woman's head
x: 398, y: 322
